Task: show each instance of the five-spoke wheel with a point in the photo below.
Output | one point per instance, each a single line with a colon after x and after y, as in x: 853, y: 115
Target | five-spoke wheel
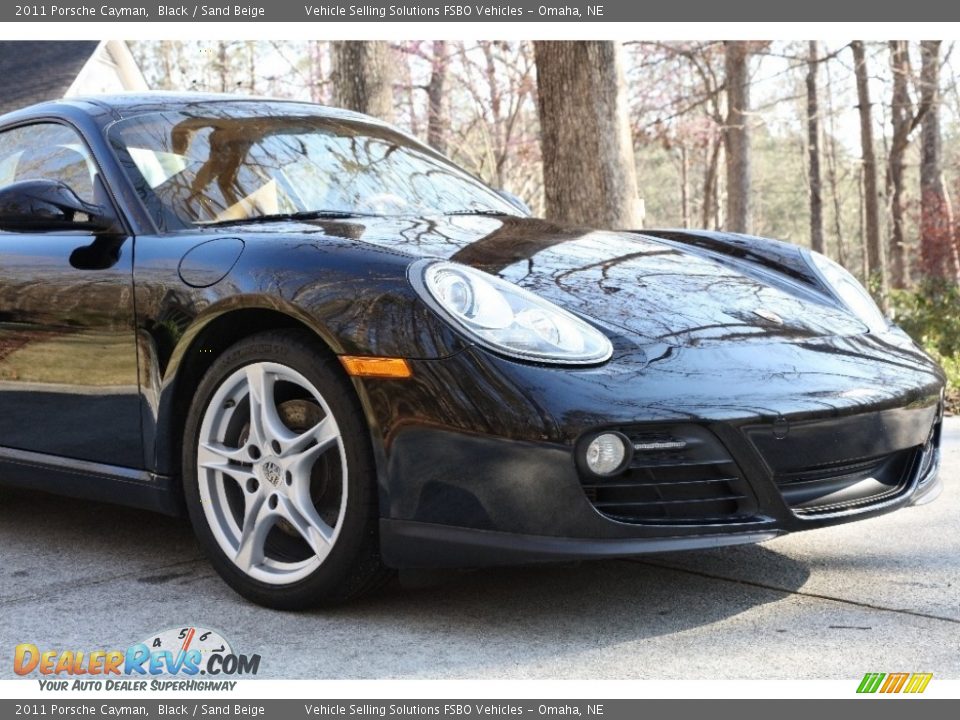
x: 278, y: 473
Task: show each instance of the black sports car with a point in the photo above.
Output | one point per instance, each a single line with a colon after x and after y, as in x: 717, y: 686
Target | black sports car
x: 341, y: 353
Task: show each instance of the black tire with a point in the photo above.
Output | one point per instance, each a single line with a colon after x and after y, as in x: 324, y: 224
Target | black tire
x: 353, y: 564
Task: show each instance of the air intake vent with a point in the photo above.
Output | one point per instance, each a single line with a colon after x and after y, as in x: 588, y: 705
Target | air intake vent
x: 679, y: 474
x: 840, y: 486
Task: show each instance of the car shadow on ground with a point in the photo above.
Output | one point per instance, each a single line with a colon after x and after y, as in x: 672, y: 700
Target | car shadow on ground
x: 538, y: 617
x: 450, y: 623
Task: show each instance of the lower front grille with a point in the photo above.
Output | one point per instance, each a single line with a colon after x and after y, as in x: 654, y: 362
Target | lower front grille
x: 845, y: 462
x: 679, y: 474
x: 849, y: 485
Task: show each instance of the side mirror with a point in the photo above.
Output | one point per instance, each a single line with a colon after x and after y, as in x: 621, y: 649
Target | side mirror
x: 40, y: 205
x: 515, y: 201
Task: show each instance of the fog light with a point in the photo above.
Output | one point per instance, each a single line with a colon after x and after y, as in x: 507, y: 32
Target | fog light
x: 606, y: 453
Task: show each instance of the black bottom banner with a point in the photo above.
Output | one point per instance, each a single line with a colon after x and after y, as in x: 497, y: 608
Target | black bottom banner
x: 874, y: 708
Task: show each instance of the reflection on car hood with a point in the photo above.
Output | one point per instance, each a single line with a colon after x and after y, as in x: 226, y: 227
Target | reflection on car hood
x: 657, y: 289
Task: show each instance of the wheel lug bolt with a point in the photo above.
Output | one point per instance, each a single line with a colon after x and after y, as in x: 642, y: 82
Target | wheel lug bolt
x: 289, y: 478
x: 252, y: 485
x: 276, y: 447
x: 254, y: 452
x: 273, y: 502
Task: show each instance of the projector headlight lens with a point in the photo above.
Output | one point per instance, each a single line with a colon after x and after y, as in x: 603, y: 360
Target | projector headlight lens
x: 508, y: 319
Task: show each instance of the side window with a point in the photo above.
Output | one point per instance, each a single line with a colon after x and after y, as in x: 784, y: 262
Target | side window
x: 47, y: 151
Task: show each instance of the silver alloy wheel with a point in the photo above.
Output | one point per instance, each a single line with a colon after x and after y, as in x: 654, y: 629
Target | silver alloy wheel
x: 273, y: 468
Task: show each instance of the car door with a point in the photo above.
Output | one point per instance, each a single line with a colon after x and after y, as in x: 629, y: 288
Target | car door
x: 68, y: 362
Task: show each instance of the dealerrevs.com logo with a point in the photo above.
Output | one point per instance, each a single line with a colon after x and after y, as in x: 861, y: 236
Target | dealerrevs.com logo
x: 892, y: 683
x: 153, y: 664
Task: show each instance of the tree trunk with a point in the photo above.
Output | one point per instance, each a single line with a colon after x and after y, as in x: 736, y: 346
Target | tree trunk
x: 736, y: 136
x: 436, y: 119
x: 871, y: 210
x: 500, y: 149
x: 901, y: 119
x: 588, y: 164
x: 223, y: 66
x: 362, y: 76
x: 832, y: 175
x: 862, y: 227
x: 684, y: 186
x: 711, y: 198
x: 251, y: 48
x: 813, y: 148
x: 315, y: 71
x: 166, y: 63
x: 938, y: 250
x: 413, y: 117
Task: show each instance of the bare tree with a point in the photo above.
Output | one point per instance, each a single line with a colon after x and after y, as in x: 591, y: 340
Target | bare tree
x: 498, y: 78
x: 166, y: 57
x: 404, y: 88
x: 222, y: 66
x: 904, y: 119
x: 813, y: 147
x: 833, y: 175
x: 684, y: 186
x: 489, y: 48
x: 436, y: 116
x: 677, y: 101
x: 938, y: 249
x: 871, y: 209
x: 362, y: 76
x: 736, y: 135
x: 711, y: 186
x: 315, y: 73
x: 588, y: 163
x: 705, y: 61
x: 250, y: 48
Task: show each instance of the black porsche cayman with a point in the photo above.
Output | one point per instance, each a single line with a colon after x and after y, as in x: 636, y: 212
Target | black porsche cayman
x: 341, y: 353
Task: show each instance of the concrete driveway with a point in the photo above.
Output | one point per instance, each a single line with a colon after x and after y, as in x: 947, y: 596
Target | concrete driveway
x: 882, y: 595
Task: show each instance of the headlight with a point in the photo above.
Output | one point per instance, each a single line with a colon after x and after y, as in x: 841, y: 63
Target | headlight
x: 850, y: 292
x: 507, y: 318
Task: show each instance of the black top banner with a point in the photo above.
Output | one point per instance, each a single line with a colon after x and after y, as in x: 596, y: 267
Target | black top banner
x: 617, y: 11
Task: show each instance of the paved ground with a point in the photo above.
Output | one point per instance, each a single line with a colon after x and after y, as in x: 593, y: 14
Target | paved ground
x: 883, y: 594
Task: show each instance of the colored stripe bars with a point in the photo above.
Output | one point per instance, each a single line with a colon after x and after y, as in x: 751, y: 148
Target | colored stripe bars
x: 894, y: 682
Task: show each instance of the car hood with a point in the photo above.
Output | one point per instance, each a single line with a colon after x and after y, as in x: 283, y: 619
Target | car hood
x: 654, y: 288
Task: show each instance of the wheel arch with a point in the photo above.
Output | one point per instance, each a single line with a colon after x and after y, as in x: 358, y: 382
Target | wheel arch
x: 204, y: 342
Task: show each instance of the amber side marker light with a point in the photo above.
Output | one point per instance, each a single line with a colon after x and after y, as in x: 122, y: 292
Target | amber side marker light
x: 376, y: 367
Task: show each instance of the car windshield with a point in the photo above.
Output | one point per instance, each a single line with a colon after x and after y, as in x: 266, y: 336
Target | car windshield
x: 220, y: 164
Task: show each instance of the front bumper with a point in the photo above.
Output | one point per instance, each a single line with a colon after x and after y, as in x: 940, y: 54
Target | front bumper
x: 477, y: 453
x: 412, y: 544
